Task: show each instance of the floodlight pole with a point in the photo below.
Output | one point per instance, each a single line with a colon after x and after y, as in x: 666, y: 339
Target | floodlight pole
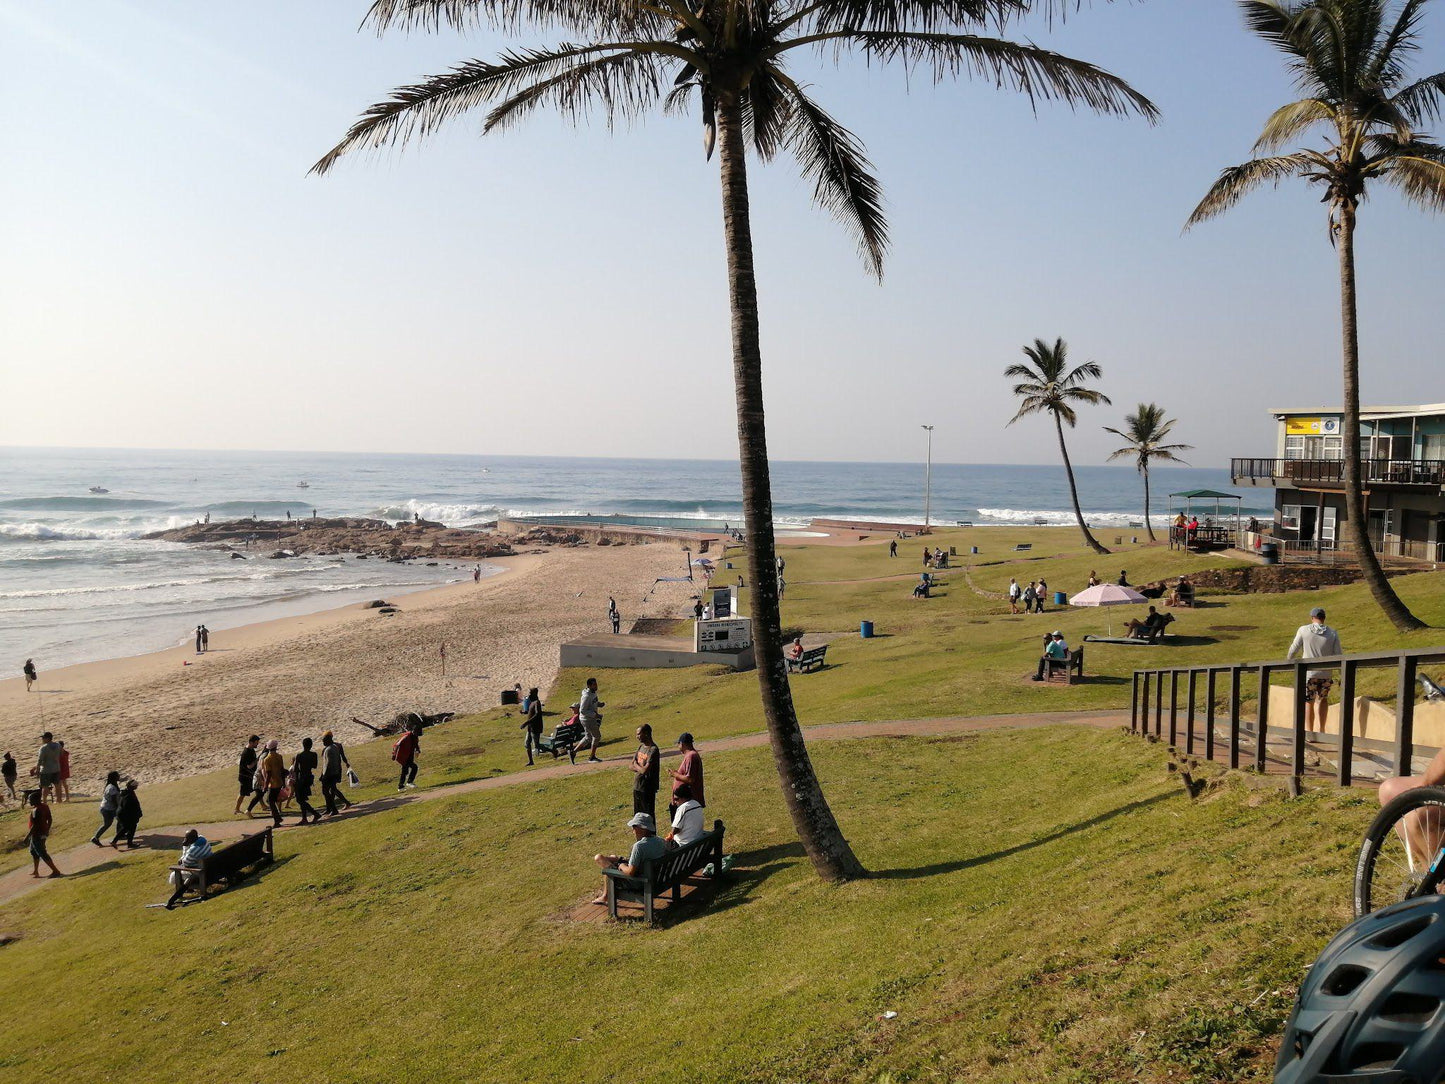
x: 928, y: 484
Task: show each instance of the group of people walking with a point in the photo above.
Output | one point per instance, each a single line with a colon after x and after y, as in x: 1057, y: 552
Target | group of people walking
x: 264, y: 777
x: 1032, y: 595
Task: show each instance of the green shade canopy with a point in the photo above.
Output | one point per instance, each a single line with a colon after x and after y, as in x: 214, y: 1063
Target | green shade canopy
x: 1208, y: 493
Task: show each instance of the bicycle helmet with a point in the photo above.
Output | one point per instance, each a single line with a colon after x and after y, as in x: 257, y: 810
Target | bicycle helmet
x: 1372, y: 1009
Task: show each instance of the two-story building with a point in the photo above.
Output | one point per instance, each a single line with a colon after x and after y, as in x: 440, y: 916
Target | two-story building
x: 1403, y: 468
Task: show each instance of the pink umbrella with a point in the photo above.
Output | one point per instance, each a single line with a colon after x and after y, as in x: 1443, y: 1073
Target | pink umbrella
x: 1107, y: 594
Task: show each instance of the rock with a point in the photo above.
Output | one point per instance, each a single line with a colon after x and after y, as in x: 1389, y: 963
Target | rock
x: 376, y: 604
x: 236, y: 556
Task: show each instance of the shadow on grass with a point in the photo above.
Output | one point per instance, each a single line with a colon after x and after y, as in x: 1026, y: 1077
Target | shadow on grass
x: 1193, y: 641
x: 959, y: 864
x: 750, y: 870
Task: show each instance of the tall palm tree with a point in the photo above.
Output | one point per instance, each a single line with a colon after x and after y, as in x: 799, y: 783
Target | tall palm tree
x: 1348, y: 57
x: 1050, y: 386
x: 1144, y: 431
x: 731, y: 57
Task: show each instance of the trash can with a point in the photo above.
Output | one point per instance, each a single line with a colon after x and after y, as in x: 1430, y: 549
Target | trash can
x: 865, y: 629
x: 1270, y: 552
x: 973, y: 549
x: 509, y: 696
x: 1060, y: 599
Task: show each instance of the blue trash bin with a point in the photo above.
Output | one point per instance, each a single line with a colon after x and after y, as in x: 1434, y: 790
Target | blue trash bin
x: 972, y: 549
x: 865, y: 629
x: 1060, y: 599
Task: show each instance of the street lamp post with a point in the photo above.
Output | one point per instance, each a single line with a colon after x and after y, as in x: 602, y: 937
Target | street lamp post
x: 928, y: 484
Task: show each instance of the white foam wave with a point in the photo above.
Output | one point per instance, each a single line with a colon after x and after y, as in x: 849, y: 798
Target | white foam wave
x: 1027, y: 517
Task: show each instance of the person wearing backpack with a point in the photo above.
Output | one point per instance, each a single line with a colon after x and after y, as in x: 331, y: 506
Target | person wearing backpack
x: 405, y: 752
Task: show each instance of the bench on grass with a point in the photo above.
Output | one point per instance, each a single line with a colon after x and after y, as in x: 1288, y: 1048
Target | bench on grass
x: 1023, y: 547
x: 227, y: 863
x: 808, y: 661
x: 1068, y: 671
x: 667, y: 872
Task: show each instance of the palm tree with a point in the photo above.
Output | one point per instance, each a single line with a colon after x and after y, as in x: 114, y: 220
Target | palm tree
x: 1144, y: 430
x: 1049, y: 385
x: 1349, y: 58
x: 628, y: 56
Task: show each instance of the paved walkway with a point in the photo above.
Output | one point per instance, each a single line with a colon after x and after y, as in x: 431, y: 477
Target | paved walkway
x: 87, y: 859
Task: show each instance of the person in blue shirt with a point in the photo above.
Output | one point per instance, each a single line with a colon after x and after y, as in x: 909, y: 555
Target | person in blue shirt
x: 647, y: 847
x: 1057, y: 650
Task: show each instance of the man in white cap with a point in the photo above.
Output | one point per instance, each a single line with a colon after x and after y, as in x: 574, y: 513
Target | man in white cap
x: 1057, y: 650
x: 1316, y: 641
x: 646, y: 847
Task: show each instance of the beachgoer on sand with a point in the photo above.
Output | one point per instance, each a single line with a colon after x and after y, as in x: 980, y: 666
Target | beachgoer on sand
x: 205, y: 639
x: 646, y: 847
x: 109, y: 805
x: 198, y: 639
x: 589, y: 712
x: 195, y: 849
x: 9, y: 771
x: 37, y: 834
x: 31, y: 677
x: 645, y: 766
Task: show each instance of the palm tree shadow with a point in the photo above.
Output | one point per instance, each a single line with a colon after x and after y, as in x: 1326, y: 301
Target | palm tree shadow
x: 740, y: 884
x: 959, y: 864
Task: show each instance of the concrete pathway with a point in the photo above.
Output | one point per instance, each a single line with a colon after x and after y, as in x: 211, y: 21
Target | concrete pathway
x: 88, y: 859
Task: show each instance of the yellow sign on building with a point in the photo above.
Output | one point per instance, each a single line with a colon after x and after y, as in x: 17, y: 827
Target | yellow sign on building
x: 1299, y: 426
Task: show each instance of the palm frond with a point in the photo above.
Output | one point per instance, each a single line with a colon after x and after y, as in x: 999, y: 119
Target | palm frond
x: 1289, y: 121
x: 843, y: 182
x: 610, y: 17
x: 1386, y: 66
x: 1090, y: 370
x: 766, y: 113
x: 1023, y: 372
x: 1417, y: 171
x: 1423, y: 101
x: 827, y: 16
x: 1236, y: 181
x: 1084, y: 395
x: 621, y: 86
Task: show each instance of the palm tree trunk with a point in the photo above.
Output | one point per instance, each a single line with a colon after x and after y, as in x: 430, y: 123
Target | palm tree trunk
x: 1355, y: 519
x: 812, y: 819
x: 1074, y: 490
x: 1144, y: 467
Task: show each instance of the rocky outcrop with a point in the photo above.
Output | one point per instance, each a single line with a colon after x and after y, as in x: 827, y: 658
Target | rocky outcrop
x: 364, y: 538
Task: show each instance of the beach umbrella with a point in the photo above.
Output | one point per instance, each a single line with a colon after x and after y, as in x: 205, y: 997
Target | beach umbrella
x: 1108, y: 594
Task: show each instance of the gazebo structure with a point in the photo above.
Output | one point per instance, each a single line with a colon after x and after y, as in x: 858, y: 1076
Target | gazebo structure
x: 1215, y: 532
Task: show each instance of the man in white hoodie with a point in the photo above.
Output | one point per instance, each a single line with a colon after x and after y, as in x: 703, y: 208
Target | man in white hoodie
x: 1316, y: 641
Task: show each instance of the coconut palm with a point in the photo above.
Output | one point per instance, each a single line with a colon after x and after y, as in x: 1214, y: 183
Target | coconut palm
x: 731, y: 57
x: 1349, y: 59
x: 1050, y: 386
x: 1145, y: 430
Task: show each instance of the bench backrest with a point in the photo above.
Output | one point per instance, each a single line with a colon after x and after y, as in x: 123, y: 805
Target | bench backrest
x: 243, y: 852
x: 1076, y: 657
x: 813, y: 653
x: 675, y: 865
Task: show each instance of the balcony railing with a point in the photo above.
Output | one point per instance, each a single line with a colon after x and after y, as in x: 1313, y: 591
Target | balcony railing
x: 1331, y: 472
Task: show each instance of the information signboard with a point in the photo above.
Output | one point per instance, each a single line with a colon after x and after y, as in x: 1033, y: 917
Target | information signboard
x: 734, y: 634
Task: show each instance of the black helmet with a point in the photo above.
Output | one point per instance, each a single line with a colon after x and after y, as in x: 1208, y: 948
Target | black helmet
x: 1373, y: 1006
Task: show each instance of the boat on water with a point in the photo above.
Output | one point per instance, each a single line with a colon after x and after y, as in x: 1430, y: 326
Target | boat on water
x: 303, y: 485
x: 99, y: 489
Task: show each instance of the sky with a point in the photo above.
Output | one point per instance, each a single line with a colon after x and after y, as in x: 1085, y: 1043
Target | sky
x: 170, y: 277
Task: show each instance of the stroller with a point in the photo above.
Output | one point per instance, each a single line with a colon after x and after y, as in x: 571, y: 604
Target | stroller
x: 568, y: 735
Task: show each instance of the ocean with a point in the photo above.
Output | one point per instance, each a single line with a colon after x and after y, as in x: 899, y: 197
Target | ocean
x: 77, y: 583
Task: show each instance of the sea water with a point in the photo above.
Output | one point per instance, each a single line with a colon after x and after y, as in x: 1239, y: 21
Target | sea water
x: 77, y: 582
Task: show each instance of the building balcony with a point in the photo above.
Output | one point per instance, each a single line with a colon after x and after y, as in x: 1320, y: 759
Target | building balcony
x: 1330, y: 473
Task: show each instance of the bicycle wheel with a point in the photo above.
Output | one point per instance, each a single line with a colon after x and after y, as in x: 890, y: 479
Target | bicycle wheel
x: 1399, y: 850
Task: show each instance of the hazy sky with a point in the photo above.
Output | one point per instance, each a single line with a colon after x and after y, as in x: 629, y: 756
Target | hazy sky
x: 170, y: 277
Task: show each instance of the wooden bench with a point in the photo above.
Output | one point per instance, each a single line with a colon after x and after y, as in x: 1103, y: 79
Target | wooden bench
x: 227, y: 863
x: 1071, y: 667
x: 667, y: 872
x: 810, y: 660
x: 1023, y: 547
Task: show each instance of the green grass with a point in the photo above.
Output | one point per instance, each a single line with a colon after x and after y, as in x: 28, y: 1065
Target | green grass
x: 1048, y: 906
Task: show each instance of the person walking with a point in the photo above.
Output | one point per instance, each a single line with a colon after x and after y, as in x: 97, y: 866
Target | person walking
x: 333, y: 758
x: 616, y: 622
x: 37, y: 834
x: 533, y: 726
x: 1041, y: 595
x: 246, y: 773
x: 9, y: 771
x: 589, y: 712
x: 688, y: 773
x: 47, y: 766
x: 1015, y: 592
x: 274, y: 769
x: 893, y: 547
x: 303, y: 779
x: 1029, y: 598
x: 31, y: 677
x: 1316, y: 641
x: 64, y: 793
x: 128, y: 817
x: 405, y: 752
x: 477, y: 574
x: 109, y: 805
x: 646, y: 766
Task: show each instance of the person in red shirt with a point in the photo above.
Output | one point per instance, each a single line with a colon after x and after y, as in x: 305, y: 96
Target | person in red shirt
x: 40, y: 821
x: 64, y: 790
x: 404, y: 752
x: 688, y: 771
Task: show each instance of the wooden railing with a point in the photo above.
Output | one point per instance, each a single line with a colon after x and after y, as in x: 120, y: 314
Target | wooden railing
x: 1410, y: 472
x: 1213, y: 695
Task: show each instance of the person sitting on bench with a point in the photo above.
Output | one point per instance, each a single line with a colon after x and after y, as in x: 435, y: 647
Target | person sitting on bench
x: 1142, y: 630
x: 646, y: 847
x: 687, y: 825
x: 195, y: 849
x: 1183, y: 593
x: 1057, y: 651
x: 795, y: 649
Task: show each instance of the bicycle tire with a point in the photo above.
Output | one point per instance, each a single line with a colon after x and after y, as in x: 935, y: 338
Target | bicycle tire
x: 1387, y: 871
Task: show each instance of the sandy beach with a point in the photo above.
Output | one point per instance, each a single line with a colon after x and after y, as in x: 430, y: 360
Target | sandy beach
x: 173, y: 713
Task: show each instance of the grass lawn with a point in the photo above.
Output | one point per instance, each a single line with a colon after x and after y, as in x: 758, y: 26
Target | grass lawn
x: 1047, y: 905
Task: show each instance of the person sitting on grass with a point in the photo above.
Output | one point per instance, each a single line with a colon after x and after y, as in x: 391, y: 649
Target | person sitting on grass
x: 1142, y: 629
x: 687, y: 824
x: 195, y: 849
x: 646, y: 847
x: 39, y: 832
x: 1057, y: 651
